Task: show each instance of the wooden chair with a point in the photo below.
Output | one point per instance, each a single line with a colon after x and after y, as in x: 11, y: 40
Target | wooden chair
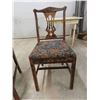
x: 17, y: 67
x: 54, y: 49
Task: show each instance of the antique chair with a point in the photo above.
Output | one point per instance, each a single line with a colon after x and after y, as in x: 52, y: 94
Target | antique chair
x: 17, y: 67
x: 54, y: 49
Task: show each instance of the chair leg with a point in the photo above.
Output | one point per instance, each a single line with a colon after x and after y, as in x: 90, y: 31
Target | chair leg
x: 72, y: 74
x: 19, y: 69
x: 16, y: 62
x: 34, y: 76
x: 15, y: 94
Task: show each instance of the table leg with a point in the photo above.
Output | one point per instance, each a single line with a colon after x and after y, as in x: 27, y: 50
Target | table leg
x: 73, y: 37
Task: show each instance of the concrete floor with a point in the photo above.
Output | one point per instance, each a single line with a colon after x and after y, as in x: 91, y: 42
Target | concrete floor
x: 54, y: 84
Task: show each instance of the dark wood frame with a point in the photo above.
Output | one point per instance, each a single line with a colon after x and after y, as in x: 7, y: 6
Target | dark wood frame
x: 46, y: 10
x: 17, y: 67
x: 62, y: 61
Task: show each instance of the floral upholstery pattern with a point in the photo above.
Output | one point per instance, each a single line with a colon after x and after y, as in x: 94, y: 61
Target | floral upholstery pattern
x: 47, y: 51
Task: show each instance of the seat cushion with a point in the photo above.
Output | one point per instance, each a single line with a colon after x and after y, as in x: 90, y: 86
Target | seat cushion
x: 49, y: 51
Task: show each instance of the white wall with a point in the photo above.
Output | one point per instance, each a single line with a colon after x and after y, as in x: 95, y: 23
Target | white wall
x: 24, y: 24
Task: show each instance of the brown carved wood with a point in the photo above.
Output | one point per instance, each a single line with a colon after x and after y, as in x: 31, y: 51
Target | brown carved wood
x: 50, y: 25
x: 49, y: 14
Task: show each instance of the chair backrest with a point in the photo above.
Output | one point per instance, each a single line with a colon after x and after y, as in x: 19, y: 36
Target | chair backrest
x: 49, y: 14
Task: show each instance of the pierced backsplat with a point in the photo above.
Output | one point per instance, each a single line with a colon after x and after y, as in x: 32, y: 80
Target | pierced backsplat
x: 50, y: 25
x: 49, y: 13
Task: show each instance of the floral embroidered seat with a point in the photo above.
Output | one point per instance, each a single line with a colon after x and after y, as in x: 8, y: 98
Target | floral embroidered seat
x: 49, y: 51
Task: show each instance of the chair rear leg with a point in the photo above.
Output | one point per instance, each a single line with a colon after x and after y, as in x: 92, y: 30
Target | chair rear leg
x: 72, y: 74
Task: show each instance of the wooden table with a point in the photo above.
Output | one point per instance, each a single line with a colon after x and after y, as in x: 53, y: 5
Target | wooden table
x: 70, y: 20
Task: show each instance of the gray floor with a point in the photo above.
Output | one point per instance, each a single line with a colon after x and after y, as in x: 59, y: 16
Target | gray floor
x: 54, y: 84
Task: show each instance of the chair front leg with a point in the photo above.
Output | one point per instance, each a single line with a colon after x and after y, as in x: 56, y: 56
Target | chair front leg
x: 16, y: 62
x: 34, y: 76
x: 72, y: 74
x: 19, y: 69
x: 15, y: 94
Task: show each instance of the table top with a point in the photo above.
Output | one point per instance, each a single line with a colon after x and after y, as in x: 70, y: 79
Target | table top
x: 69, y: 18
x: 73, y: 19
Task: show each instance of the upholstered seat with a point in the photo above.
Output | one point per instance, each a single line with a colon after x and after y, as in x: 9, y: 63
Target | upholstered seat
x: 47, y: 51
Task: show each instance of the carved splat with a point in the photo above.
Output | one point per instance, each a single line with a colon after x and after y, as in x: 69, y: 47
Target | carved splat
x: 50, y: 25
x: 49, y: 13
